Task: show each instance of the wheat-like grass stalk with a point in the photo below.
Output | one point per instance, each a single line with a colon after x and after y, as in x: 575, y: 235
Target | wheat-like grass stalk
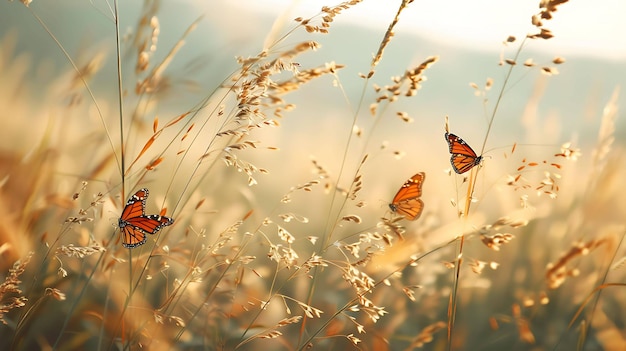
x: 11, y: 296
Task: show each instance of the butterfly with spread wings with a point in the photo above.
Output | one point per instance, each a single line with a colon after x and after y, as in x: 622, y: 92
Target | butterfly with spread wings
x: 135, y: 224
x: 407, y: 202
x: 463, y: 158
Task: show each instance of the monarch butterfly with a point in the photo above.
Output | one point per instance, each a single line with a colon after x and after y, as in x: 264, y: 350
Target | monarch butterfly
x: 407, y: 202
x: 463, y: 157
x: 134, y: 223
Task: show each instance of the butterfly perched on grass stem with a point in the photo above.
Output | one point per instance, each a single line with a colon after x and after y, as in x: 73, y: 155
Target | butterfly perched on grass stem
x: 135, y: 224
x: 407, y: 202
x: 463, y: 157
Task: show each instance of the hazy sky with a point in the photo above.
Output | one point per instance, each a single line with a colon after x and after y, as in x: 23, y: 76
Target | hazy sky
x: 590, y: 27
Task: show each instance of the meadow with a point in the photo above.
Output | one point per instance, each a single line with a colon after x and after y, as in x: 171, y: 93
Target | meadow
x: 278, y: 169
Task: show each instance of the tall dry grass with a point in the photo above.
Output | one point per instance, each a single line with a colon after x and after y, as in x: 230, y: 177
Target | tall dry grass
x: 264, y: 257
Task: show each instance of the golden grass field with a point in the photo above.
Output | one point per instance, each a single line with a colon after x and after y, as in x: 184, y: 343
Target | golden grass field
x: 282, y: 236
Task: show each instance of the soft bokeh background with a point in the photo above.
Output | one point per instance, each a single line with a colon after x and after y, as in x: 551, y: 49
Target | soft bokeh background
x: 467, y: 38
x: 538, y: 113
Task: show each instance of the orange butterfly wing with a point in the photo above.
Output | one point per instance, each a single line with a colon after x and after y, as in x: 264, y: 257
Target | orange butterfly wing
x: 407, y: 202
x: 132, y: 237
x: 135, y: 224
x: 150, y: 223
x: 463, y: 158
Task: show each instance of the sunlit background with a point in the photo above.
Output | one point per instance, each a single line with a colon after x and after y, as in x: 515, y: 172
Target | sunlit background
x: 467, y: 36
x: 587, y: 28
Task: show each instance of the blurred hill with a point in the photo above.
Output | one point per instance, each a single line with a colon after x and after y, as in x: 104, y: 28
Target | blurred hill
x: 573, y: 100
